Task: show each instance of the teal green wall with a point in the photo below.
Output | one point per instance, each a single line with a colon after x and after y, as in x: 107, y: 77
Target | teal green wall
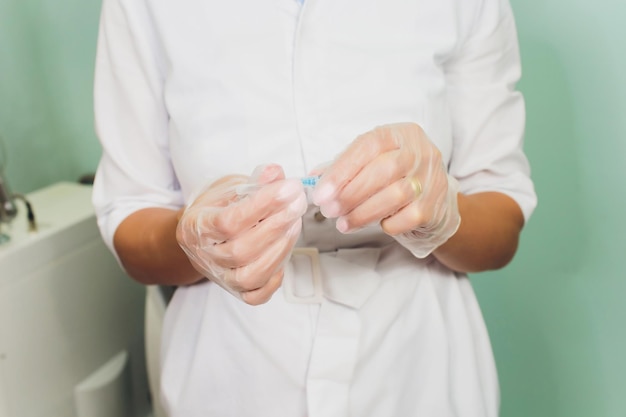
x: 556, y: 314
x: 46, y: 72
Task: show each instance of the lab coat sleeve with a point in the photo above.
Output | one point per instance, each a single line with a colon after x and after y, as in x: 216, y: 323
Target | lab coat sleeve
x: 488, y: 114
x: 135, y: 169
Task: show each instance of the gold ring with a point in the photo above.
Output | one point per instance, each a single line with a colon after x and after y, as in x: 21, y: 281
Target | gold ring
x: 416, y: 185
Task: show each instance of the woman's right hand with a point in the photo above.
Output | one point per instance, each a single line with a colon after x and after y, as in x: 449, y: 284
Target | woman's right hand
x: 241, y: 230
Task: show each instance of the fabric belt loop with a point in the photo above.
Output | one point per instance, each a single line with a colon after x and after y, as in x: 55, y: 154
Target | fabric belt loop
x: 313, y: 260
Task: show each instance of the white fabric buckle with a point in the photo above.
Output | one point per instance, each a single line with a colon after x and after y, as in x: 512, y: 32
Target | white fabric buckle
x: 297, y: 288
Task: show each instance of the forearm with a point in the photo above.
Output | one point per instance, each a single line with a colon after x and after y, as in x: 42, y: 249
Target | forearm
x: 488, y: 236
x: 146, y: 244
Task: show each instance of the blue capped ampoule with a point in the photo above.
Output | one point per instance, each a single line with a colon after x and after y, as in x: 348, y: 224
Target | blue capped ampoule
x: 311, y: 181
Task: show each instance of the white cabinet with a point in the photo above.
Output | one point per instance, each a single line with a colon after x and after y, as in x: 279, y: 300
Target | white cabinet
x: 66, y: 309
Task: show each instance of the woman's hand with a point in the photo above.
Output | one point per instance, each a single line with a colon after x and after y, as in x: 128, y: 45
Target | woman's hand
x: 393, y: 175
x: 240, y: 231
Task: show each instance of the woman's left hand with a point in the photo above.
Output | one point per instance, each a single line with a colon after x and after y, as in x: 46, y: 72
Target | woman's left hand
x: 395, y: 176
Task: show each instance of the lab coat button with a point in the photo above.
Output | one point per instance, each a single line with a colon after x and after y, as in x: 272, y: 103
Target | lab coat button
x: 319, y: 217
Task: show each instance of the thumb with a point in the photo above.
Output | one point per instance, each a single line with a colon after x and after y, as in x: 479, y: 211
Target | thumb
x: 267, y: 173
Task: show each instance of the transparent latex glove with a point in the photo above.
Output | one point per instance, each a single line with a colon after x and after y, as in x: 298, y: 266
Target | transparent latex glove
x: 392, y: 175
x: 240, y: 236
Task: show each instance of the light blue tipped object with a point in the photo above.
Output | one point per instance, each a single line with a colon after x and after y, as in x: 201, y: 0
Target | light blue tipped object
x: 310, y: 181
x: 244, y: 189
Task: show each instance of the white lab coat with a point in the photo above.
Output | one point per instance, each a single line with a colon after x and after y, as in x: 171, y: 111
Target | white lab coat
x: 188, y: 90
